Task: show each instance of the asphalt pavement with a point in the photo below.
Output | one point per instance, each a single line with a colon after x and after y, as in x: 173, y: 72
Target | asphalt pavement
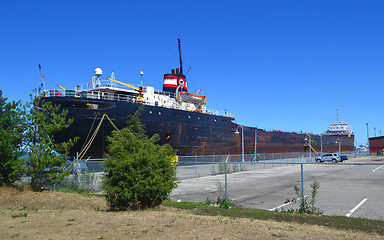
x: 353, y: 188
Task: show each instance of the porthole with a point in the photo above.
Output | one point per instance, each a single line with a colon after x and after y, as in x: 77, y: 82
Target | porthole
x: 198, y: 117
x: 159, y: 113
x: 189, y: 116
x: 150, y: 112
x: 215, y: 119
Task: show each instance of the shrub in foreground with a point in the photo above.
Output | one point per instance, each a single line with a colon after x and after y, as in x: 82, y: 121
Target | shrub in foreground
x: 139, y: 173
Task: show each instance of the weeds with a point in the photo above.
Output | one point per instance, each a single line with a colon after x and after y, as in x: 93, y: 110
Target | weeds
x: 208, y: 202
x: 34, y: 209
x: 221, y: 168
x: 20, y: 215
x: 220, y: 202
x: 305, y: 206
x: 25, y: 210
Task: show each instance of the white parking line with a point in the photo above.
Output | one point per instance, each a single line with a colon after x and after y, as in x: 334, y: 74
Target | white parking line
x: 378, y: 168
x: 241, y: 197
x: 211, y: 188
x: 355, y: 208
x: 285, y: 204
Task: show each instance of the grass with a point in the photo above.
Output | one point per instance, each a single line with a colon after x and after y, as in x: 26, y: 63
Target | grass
x: 81, y: 193
x: 338, y: 222
x: 20, y: 215
x: 26, y: 207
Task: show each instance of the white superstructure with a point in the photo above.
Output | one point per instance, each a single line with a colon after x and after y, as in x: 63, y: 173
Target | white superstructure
x: 112, y: 89
x: 339, y: 128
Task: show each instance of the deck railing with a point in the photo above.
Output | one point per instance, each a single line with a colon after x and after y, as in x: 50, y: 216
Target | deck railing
x: 96, y: 94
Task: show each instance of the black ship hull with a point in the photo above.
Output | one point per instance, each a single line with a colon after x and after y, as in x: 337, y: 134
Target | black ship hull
x: 190, y: 133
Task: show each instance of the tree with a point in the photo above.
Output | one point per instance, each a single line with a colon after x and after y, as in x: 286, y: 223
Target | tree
x: 45, y: 157
x: 139, y: 173
x: 11, y: 138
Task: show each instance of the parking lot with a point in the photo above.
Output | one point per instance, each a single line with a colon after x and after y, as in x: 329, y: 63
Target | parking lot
x: 353, y: 188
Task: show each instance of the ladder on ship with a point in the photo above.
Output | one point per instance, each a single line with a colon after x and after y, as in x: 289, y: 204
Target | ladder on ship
x: 313, y: 149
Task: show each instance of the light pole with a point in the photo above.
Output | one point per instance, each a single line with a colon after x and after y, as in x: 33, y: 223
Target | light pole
x: 242, y: 140
x: 309, y: 144
x: 256, y: 144
x: 374, y: 128
x: 367, y: 136
x: 339, y: 142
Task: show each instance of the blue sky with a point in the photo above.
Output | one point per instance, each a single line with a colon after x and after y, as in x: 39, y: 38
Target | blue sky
x: 286, y: 65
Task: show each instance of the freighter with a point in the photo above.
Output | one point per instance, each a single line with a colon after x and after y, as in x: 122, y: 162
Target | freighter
x: 179, y: 117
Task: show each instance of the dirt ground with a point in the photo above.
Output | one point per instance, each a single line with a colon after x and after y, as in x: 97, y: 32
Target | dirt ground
x: 57, y: 215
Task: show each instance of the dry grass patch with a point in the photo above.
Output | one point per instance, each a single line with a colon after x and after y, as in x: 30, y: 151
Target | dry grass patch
x: 56, y: 215
x: 13, y: 198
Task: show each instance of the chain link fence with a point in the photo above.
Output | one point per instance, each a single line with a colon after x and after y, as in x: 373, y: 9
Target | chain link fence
x: 275, y: 182
x: 352, y: 188
x: 84, y: 175
x: 195, y: 166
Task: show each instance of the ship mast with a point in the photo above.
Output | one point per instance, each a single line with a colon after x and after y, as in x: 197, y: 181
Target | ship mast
x: 181, y: 63
x: 337, y: 115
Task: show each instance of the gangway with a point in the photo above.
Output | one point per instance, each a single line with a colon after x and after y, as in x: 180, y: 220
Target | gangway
x: 313, y: 149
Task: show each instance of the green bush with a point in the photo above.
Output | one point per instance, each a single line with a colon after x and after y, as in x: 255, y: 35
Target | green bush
x: 45, y: 156
x: 138, y: 171
x: 12, y: 126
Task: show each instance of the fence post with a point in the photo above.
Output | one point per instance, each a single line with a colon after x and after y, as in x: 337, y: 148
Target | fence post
x: 264, y: 160
x: 85, y: 174
x: 226, y: 185
x: 302, y: 179
x: 77, y: 169
x: 195, y: 166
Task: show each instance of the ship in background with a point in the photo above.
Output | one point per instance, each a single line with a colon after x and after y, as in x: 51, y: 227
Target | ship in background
x: 339, y: 129
x: 179, y: 117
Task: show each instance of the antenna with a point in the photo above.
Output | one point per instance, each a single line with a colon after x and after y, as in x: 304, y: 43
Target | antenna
x: 181, y: 63
x: 188, y: 71
x: 337, y: 115
x: 112, y: 77
x: 141, y: 77
x: 42, y: 76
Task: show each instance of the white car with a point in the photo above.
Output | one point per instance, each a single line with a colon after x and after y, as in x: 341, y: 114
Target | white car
x: 334, y: 157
